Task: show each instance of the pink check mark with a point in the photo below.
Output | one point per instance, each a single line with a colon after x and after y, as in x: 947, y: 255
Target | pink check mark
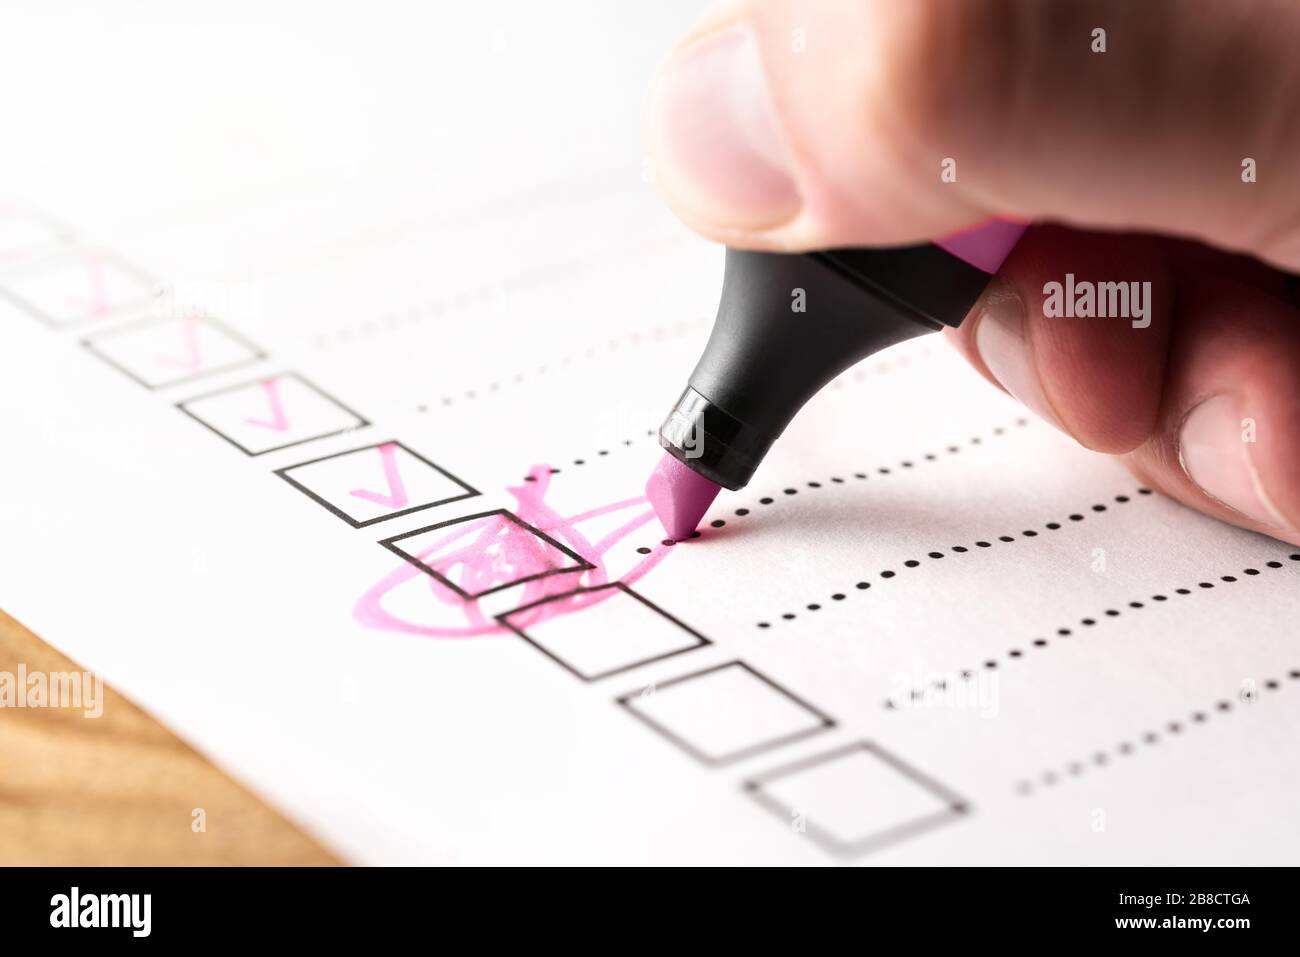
x: 97, y: 303
x: 278, y: 422
x: 193, y: 358
x: 396, y: 496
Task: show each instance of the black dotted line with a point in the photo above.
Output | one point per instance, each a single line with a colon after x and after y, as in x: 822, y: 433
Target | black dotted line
x: 959, y: 550
x: 990, y: 664
x: 860, y: 373
x: 855, y: 476
x: 858, y: 376
x: 600, y: 454
x: 538, y: 277
x: 413, y: 315
x: 1105, y: 757
x: 657, y: 334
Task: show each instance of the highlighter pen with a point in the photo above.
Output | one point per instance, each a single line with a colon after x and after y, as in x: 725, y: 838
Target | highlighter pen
x: 787, y: 325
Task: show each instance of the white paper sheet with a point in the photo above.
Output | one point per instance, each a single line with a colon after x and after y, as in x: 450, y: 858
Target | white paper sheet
x: 442, y: 310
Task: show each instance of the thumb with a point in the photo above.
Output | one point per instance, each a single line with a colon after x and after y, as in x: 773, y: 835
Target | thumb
x: 795, y: 124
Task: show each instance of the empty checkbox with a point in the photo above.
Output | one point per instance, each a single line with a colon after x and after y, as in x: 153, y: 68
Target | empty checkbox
x: 855, y: 799
x: 163, y: 352
x: 725, y: 713
x: 485, y: 553
x: 375, y: 483
x: 601, y: 631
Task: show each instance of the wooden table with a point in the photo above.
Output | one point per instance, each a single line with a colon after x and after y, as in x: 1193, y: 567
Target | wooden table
x: 120, y: 788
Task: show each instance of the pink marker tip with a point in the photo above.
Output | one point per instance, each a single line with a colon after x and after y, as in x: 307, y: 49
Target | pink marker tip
x: 680, y: 496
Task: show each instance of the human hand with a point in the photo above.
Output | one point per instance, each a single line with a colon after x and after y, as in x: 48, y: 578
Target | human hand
x: 1169, y: 156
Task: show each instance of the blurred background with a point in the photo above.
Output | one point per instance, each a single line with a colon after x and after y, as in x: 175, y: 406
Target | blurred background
x: 206, y: 104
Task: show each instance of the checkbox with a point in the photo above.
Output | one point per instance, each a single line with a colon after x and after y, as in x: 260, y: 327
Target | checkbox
x: 24, y: 234
x: 601, y: 631
x: 725, y: 713
x: 485, y: 553
x: 163, y: 352
x: 375, y: 483
x: 856, y: 799
x: 271, y: 414
x: 85, y: 285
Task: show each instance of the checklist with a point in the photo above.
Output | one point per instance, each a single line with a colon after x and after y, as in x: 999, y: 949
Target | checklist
x: 358, y: 429
x: 376, y: 482
x: 164, y: 352
x: 274, y: 413
x: 810, y: 678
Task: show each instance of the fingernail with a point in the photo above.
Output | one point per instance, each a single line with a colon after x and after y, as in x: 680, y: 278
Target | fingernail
x: 1000, y: 341
x: 718, y: 145
x: 1214, y: 453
